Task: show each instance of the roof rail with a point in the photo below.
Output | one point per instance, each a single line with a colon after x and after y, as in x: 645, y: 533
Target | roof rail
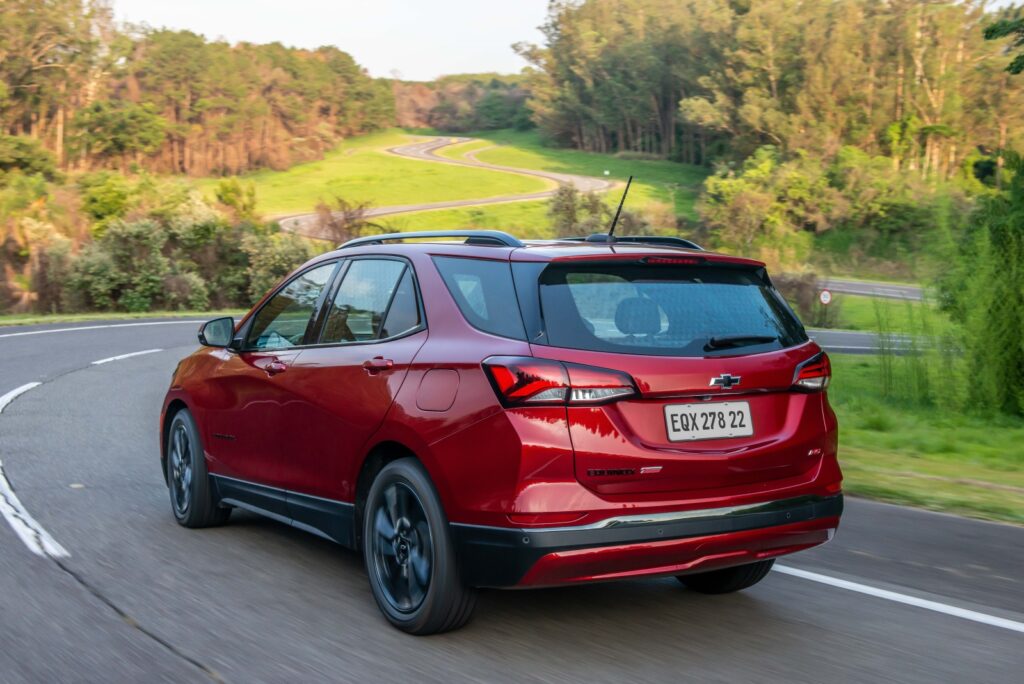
x: 667, y: 240
x: 495, y: 238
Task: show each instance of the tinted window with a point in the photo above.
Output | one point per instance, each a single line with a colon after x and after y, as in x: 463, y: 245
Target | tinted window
x: 667, y: 311
x: 404, y: 312
x: 357, y: 312
x: 283, y: 320
x: 484, y: 293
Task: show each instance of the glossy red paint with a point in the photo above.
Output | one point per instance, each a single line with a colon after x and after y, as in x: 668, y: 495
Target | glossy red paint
x: 678, y: 556
x: 308, y: 419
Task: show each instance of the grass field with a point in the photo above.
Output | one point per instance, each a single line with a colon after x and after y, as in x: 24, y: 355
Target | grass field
x: 522, y: 219
x: 655, y: 180
x: 36, y: 319
x: 925, y: 457
x: 360, y: 170
x: 857, y: 312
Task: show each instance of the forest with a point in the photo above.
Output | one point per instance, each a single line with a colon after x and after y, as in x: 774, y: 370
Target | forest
x: 835, y: 130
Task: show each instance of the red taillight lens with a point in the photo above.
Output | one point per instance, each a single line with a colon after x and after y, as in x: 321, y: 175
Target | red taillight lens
x: 814, y: 374
x: 522, y: 380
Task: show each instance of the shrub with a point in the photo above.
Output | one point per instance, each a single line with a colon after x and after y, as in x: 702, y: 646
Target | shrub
x: 272, y: 256
x: 125, y: 268
x: 26, y: 155
x: 801, y: 290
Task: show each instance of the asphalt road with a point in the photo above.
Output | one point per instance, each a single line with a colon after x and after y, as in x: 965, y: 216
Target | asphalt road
x: 874, y: 289
x: 305, y: 224
x: 141, y: 599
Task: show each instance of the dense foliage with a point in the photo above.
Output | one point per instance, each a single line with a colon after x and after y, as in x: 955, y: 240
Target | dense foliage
x: 173, y: 101
x: 142, y: 244
x: 982, y: 288
x: 464, y: 102
x: 700, y: 80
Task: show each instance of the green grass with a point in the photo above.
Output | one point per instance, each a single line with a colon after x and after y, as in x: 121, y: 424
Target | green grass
x: 36, y: 319
x: 921, y: 456
x: 525, y: 220
x: 460, y: 150
x: 677, y: 185
x: 858, y: 312
x: 360, y: 170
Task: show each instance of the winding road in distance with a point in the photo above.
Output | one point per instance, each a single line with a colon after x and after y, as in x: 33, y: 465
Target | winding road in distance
x: 126, y: 595
x: 427, y: 150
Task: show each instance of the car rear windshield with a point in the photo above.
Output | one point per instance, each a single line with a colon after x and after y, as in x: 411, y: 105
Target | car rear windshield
x: 669, y: 310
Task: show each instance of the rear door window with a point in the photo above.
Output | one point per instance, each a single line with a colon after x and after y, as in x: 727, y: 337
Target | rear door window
x: 664, y: 310
x: 484, y: 293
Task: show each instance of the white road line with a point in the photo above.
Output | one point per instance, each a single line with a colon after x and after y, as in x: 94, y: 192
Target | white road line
x: 35, y: 537
x: 14, y: 393
x: 125, y: 356
x: 98, y: 327
x: 943, y: 608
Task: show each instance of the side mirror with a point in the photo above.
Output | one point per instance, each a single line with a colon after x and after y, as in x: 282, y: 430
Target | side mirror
x: 218, y: 332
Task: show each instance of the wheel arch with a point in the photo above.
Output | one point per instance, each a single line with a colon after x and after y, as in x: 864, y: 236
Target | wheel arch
x: 174, y: 406
x: 381, y: 454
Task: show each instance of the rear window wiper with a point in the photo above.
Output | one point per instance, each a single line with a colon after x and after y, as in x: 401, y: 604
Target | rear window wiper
x: 738, y: 341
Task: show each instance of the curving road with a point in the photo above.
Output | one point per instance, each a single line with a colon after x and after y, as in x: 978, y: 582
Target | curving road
x: 899, y: 596
x: 426, y: 150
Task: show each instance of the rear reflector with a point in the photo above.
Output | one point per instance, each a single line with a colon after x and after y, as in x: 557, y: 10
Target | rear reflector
x: 520, y: 380
x: 814, y: 374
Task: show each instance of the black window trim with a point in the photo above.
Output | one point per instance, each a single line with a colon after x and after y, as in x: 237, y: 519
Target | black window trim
x: 247, y: 328
x: 334, y: 286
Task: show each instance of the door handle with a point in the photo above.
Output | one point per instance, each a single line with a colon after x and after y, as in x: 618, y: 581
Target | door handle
x: 377, y: 364
x: 275, y: 366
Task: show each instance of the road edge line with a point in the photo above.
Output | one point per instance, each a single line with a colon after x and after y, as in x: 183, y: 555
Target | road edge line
x: 27, y: 528
x: 906, y: 599
x: 129, y: 355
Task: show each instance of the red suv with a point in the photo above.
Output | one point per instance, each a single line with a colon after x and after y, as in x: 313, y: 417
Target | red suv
x: 484, y: 412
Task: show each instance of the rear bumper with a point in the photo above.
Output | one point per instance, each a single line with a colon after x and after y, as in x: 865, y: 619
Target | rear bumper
x: 659, y: 544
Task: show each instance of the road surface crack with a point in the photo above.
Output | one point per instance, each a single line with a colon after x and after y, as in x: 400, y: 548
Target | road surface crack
x: 134, y: 624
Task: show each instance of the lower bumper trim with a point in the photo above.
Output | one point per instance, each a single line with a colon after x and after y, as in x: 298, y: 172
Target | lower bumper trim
x: 502, y: 557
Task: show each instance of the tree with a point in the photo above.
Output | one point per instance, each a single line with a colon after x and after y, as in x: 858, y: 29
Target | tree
x: 109, y: 130
x: 1010, y: 27
x: 343, y: 221
x: 26, y: 155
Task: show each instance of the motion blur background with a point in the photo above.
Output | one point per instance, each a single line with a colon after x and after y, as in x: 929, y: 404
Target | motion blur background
x: 160, y: 162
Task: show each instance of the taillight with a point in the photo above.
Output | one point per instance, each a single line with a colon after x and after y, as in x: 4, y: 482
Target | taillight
x: 520, y: 380
x: 814, y: 374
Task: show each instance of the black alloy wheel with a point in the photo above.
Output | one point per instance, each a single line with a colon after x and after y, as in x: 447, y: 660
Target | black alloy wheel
x: 410, y: 558
x: 192, y: 496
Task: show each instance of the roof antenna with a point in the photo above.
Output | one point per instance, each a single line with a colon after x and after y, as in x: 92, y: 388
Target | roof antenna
x: 611, y: 231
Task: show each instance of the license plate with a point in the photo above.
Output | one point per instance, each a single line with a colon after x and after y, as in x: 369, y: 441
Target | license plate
x: 718, y: 420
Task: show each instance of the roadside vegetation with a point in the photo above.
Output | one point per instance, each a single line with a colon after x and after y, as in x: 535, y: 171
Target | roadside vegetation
x: 39, y: 319
x: 898, y: 446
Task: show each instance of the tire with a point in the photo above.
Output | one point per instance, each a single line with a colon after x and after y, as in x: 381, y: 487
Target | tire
x: 409, y: 555
x: 728, y: 580
x: 188, y: 483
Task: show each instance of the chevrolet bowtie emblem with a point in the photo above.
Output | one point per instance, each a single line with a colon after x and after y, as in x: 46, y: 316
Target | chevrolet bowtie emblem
x: 725, y: 381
